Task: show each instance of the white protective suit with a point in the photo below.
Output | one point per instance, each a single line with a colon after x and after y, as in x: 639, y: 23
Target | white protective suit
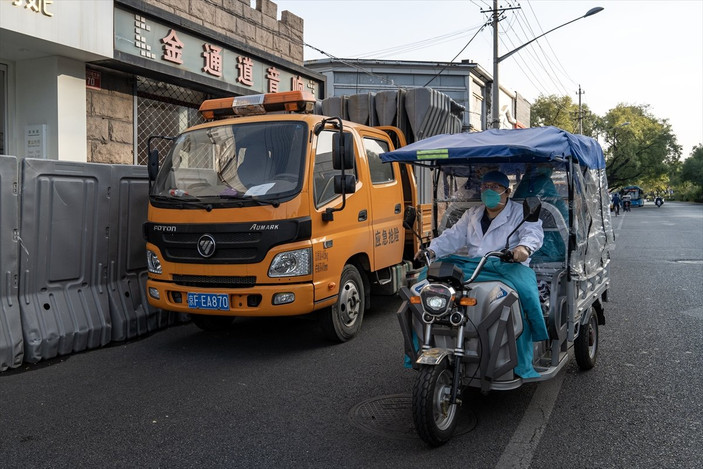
x: 467, y: 233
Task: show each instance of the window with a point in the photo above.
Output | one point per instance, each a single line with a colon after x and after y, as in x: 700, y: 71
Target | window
x: 380, y: 172
x: 324, y: 172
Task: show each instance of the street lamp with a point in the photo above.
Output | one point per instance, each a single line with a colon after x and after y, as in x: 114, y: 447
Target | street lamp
x: 498, y: 59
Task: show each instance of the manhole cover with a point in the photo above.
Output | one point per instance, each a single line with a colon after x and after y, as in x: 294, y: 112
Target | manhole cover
x: 391, y: 417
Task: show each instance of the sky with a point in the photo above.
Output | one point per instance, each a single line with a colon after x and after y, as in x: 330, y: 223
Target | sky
x: 635, y: 52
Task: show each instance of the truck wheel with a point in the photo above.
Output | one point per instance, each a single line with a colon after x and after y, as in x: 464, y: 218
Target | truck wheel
x: 586, y: 344
x: 434, y: 417
x: 342, y: 320
x: 211, y: 323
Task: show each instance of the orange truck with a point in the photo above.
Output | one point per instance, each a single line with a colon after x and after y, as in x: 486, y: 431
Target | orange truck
x: 270, y: 210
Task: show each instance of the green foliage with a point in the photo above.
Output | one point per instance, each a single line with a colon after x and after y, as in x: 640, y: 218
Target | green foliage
x: 562, y: 112
x: 692, y: 167
x: 639, y: 148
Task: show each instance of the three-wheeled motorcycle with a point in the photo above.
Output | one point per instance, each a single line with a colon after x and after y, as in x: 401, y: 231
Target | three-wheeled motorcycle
x: 489, y: 323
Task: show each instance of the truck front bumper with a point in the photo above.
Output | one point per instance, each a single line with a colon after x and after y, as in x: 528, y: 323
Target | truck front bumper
x: 259, y: 300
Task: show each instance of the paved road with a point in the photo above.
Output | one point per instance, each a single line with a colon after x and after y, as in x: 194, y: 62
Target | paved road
x: 273, y: 393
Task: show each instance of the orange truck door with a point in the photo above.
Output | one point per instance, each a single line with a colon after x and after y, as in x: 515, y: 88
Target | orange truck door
x: 386, y: 206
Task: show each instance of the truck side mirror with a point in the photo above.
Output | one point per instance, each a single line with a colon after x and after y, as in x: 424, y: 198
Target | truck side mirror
x: 153, y: 164
x: 344, y: 184
x: 531, y: 207
x: 409, y: 217
x: 342, y: 151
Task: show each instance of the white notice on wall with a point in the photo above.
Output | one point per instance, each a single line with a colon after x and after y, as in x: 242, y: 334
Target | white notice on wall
x: 35, y: 141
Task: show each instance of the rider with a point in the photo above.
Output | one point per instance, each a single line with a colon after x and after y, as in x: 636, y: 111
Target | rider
x: 485, y: 228
x: 616, y: 202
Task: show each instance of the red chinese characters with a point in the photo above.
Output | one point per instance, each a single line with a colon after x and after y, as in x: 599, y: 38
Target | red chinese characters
x: 213, y: 60
x: 173, y: 48
x: 245, y: 66
x: 273, y: 77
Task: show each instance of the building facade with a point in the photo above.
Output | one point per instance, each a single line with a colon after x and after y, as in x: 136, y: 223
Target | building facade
x: 90, y: 80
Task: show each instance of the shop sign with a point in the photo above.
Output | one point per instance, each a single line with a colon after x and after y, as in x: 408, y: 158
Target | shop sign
x: 36, y: 6
x: 143, y: 37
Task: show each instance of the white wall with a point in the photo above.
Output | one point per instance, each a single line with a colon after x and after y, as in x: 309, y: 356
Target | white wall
x: 51, y: 91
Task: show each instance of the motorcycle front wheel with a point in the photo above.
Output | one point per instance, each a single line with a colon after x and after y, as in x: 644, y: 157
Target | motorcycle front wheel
x: 434, y: 417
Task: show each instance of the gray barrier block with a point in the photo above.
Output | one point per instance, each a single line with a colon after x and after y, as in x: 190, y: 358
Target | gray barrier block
x: 11, y: 341
x: 386, y: 103
x: 64, y: 218
x: 130, y: 311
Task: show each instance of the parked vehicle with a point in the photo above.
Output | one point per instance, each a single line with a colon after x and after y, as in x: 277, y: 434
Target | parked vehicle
x: 271, y: 210
x: 470, y: 322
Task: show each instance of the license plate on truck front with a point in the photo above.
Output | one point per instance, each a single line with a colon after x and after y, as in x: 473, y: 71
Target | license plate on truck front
x: 208, y: 301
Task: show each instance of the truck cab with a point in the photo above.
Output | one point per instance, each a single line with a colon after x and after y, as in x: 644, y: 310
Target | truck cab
x: 270, y: 210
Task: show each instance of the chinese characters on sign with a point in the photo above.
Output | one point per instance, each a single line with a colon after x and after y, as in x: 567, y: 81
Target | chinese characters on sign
x: 37, y: 6
x: 389, y: 236
x: 176, y: 47
x: 213, y: 60
x: 246, y: 76
x: 173, y: 48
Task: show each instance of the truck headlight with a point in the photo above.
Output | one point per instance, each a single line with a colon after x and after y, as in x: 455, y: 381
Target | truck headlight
x: 152, y: 262
x: 291, y: 263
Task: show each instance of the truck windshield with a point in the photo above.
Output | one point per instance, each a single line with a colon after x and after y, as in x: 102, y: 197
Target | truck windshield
x: 252, y: 161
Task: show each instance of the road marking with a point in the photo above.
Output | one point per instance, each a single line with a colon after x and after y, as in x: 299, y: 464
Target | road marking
x: 524, y: 442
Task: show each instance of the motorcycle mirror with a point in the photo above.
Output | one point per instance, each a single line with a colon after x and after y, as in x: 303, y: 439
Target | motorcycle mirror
x: 531, y: 207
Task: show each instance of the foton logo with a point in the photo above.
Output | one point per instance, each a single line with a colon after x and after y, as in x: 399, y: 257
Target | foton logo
x: 206, y: 245
x: 166, y: 228
x: 257, y: 227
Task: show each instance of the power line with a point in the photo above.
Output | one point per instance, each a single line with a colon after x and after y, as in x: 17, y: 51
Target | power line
x: 458, y: 54
x: 422, y: 44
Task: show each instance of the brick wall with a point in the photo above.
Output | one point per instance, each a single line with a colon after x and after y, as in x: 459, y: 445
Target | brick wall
x: 257, y: 27
x: 110, y: 120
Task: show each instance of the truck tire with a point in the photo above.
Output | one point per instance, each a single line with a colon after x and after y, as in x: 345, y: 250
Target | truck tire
x: 342, y: 320
x: 211, y: 323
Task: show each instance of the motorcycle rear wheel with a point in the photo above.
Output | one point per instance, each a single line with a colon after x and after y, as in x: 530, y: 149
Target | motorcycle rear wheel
x: 586, y: 344
x: 434, y: 417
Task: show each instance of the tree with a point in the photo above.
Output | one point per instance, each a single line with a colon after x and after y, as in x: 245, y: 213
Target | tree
x: 640, y: 147
x: 562, y: 112
x: 692, y: 167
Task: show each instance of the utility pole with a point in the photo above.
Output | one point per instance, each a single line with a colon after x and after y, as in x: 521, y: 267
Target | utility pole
x: 580, y: 112
x: 495, y: 106
x: 495, y: 89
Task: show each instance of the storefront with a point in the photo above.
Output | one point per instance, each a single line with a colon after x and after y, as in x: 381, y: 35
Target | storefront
x: 91, y: 80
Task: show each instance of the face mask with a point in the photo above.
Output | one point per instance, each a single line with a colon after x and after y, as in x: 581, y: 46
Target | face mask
x: 491, y: 198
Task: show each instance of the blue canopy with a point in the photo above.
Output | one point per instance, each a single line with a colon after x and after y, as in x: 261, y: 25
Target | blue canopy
x: 533, y: 145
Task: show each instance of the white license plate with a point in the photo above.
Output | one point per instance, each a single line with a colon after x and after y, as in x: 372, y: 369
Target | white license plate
x: 208, y: 301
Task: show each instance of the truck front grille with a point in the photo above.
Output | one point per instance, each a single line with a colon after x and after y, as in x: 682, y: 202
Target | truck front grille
x: 215, y: 281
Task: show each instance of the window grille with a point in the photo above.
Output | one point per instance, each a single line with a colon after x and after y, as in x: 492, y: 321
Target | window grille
x: 164, y: 109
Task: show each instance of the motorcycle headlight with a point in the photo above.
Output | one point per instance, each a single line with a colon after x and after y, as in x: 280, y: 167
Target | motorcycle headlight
x: 152, y: 262
x: 291, y: 263
x: 437, y: 299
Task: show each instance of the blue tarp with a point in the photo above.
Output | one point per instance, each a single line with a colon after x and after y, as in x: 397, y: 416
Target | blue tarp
x: 533, y: 145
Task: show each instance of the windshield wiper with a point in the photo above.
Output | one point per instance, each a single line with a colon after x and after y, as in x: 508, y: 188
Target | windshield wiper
x: 182, y: 201
x: 245, y: 198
